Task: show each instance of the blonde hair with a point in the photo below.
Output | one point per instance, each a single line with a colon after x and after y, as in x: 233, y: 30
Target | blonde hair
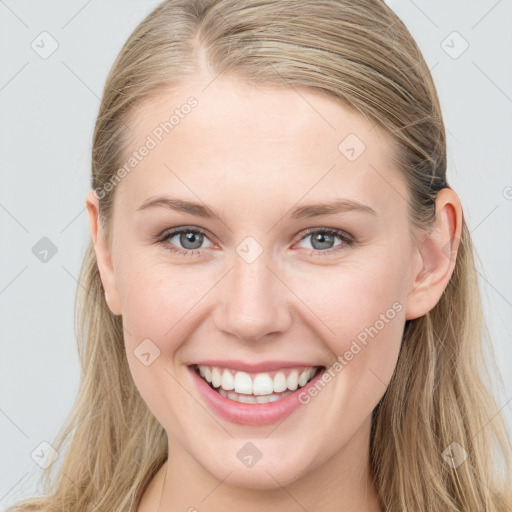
x: 362, y: 55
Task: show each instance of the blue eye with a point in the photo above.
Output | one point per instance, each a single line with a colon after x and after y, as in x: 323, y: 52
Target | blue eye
x: 324, y: 237
x: 191, y: 240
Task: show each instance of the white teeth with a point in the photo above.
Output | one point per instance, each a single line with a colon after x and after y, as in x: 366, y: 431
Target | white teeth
x: 269, y: 398
x: 304, y: 377
x: 216, y: 378
x: 293, y: 380
x: 250, y: 399
x: 243, y: 383
x: 279, y: 382
x: 228, y: 381
x: 247, y: 399
x: 261, y: 385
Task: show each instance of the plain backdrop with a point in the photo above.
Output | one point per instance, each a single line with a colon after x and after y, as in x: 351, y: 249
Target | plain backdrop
x: 48, y: 107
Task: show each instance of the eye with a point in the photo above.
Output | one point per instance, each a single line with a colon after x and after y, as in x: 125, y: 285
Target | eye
x: 322, y: 238
x: 190, y: 239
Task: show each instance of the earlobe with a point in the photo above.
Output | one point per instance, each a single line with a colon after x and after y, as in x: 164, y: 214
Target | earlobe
x: 103, y: 256
x: 436, y: 256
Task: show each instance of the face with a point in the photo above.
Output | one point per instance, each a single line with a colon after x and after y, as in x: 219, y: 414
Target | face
x: 266, y: 279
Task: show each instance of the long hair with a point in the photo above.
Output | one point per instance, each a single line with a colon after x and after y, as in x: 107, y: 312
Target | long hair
x: 363, y: 56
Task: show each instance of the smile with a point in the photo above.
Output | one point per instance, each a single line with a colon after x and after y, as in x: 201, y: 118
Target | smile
x: 254, y: 398
x: 253, y: 388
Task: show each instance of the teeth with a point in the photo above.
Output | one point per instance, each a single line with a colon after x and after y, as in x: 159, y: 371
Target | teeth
x: 279, y: 382
x: 303, y: 378
x: 251, y: 399
x: 207, y: 374
x: 216, y: 378
x: 262, y: 385
x: 228, y: 381
x: 243, y: 383
x: 293, y: 380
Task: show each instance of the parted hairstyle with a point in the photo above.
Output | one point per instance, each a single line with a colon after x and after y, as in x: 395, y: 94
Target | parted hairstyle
x: 359, y: 53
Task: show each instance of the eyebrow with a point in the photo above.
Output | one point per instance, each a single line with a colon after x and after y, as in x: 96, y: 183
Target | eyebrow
x: 303, y: 212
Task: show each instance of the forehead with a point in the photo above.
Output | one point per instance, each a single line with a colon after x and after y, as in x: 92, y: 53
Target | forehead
x: 251, y: 143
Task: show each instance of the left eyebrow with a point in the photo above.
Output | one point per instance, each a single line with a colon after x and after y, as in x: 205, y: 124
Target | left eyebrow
x: 180, y: 205
x: 303, y: 212
x: 338, y: 206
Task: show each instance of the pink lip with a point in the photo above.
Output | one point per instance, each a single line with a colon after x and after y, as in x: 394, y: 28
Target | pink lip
x: 265, y: 366
x: 250, y: 414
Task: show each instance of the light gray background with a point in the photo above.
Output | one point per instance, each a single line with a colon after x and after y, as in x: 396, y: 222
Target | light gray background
x: 48, y: 108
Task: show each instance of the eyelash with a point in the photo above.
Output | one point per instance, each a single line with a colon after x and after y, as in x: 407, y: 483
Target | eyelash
x: 347, y: 240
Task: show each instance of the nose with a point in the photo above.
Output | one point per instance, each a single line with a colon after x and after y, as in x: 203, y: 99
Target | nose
x: 255, y: 302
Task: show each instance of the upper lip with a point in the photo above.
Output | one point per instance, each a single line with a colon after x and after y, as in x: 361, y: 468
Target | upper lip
x: 264, y: 366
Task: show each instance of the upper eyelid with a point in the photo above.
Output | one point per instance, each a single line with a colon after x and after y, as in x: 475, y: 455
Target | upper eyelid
x: 170, y: 233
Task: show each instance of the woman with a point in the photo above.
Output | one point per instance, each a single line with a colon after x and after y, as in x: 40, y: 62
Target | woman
x: 279, y: 307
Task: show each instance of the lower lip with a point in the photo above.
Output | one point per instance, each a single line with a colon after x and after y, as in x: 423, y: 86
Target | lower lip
x: 251, y: 414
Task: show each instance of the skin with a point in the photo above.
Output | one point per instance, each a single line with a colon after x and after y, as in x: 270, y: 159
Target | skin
x: 253, y: 154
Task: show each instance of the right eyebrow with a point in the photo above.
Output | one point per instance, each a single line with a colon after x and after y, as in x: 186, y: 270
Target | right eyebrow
x: 302, y: 212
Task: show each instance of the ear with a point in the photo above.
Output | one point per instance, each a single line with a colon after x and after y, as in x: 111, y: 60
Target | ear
x: 103, y: 257
x: 436, y: 256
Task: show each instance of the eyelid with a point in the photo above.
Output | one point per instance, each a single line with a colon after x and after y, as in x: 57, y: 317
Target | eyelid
x: 172, y: 232
x: 344, y: 235
x: 346, y: 238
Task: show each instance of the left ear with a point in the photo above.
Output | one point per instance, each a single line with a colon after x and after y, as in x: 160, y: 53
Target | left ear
x: 437, y: 253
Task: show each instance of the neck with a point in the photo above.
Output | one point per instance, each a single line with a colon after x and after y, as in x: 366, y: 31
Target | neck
x: 341, y: 483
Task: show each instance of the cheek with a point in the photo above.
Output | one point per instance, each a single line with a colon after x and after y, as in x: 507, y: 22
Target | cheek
x: 352, y: 297
x: 160, y: 307
x: 363, y: 309
x: 360, y: 311
x: 156, y: 297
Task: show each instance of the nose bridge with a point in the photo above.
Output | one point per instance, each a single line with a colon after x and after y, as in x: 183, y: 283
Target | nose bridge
x: 255, y: 301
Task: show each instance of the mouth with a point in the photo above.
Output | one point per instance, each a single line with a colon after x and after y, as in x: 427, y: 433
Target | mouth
x: 256, y: 388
